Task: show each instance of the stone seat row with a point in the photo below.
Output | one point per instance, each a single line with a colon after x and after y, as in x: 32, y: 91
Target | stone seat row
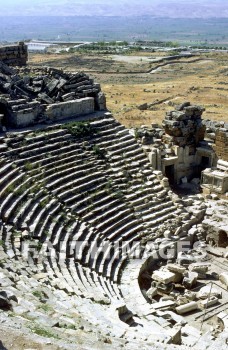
x: 82, y: 253
x: 38, y: 219
x: 118, y: 215
x: 9, y: 235
x: 40, y: 158
x: 35, y: 139
x: 71, y: 205
x: 24, y: 148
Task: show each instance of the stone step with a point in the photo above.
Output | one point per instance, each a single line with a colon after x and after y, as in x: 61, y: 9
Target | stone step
x: 43, y: 229
x: 82, y: 185
x: 35, y: 210
x: 8, y: 179
x: 107, y: 217
x: 43, y: 215
x: 48, y: 152
x: 132, y: 228
x: 76, y: 172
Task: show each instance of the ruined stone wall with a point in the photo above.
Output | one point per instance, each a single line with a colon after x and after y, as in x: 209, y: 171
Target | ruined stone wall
x: 70, y: 109
x: 45, y: 94
x: 184, y: 135
x: 14, y: 55
x: 179, y: 150
x: 24, y: 117
x: 221, y: 144
x: 184, y: 125
x: 56, y: 111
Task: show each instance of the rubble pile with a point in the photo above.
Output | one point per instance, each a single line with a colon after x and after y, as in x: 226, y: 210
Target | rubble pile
x: 15, y: 55
x: 184, y: 125
x: 24, y: 91
x: 215, y: 223
x: 149, y: 135
x: 212, y: 127
x: 175, y: 285
x: 188, y: 150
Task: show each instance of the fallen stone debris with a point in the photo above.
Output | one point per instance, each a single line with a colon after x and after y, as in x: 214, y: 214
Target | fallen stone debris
x: 188, y: 150
x: 32, y: 96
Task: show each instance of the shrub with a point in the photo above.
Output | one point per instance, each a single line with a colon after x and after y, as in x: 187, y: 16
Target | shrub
x: 80, y: 129
x: 44, y: 202
x: 43, y: 332
x: 100, y: 153
x: 10, y: 188
x: 28, y: 166
x: 38, y: 294
x: 20, y: 190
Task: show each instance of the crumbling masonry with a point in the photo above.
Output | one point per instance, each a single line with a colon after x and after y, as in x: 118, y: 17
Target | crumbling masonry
x: 14, y: 55
x: 31, y: 96
x: 188, y: 146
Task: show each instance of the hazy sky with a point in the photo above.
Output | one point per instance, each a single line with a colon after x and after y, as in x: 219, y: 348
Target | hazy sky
x: 114, y: 7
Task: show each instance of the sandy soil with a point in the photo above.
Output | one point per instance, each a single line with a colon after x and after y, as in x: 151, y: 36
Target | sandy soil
x: 127, y: 85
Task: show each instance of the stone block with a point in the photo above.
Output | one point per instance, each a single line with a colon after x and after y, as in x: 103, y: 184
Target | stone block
x: 224, y: 278
x: 176, y: 268
x: 208, y: 302
x: 151, y: 292
x: 69, y: 109
x: 165, y: 182
x: 153, y: 159
x: 200, y: 268
x: 207, y: 291
x: 190, y: 279
x: 183, y: 309
x: 164, y: 276
x: 164, y: 305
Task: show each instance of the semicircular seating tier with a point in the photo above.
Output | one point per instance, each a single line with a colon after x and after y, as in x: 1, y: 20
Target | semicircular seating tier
x: 67, y: 202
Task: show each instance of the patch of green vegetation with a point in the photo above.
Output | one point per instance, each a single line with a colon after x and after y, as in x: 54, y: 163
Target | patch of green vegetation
x: 99, y: 153
x: 45, y: 307
x: 39, y: 245
x: 118, y: 194
x: 28, y: 166
x: 10, y: 188
x: 20, y: 190
x: 11, y: 314
x: 80, y: 129
x: 104, y: 47
x: 44, y: 202
x: 46, y: 233
x: 38, y: 294
x: 137, y: 133
x: 16, y: 233
x: 43, y: 332
x: 109, y: 186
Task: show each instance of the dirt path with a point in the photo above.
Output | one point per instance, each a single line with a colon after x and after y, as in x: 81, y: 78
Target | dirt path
x: 154, y: 69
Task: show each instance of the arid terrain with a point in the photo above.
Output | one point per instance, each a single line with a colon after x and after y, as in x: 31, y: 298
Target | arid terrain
x: 131, y: 80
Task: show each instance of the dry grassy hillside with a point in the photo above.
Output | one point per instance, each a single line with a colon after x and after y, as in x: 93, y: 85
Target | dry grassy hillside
x: 201, y: 80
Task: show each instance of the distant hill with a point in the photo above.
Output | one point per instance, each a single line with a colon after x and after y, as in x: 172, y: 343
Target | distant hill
x: 155, y: 8
x: 188, y: 31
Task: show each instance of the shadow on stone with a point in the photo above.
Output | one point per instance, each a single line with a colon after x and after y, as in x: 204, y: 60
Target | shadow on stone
x: 2, y: 347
